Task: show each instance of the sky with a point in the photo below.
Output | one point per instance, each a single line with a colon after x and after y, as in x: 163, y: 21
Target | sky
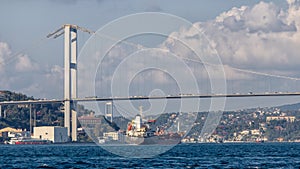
x: 252, y: 35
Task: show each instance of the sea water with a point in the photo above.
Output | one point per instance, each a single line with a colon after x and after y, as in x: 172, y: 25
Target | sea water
x: 225, y: 155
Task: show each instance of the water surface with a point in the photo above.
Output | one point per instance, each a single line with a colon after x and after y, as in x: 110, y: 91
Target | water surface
x: 242, y: 155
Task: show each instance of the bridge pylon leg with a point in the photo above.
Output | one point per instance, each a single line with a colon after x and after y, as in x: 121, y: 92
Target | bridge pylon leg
x: 70, y: 79
x: 73, y: 67
x: 74, y: 125
x: 67, y: 78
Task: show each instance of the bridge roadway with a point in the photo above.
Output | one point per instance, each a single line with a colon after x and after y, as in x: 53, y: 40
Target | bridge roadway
x: 183, y: 96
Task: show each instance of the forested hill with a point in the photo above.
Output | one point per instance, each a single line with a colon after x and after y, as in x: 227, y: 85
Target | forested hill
x: 17, y: 116
x: 9, y: 96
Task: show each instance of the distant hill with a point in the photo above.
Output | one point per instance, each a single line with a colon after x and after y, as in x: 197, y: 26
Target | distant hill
x: 289, y: 107
x: 9, y: 96
x: 17, y: 116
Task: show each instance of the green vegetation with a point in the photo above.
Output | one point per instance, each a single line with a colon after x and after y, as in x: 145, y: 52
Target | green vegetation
x: 17, y: 116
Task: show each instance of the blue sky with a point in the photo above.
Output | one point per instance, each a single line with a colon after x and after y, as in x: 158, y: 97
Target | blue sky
x: 37, y: 69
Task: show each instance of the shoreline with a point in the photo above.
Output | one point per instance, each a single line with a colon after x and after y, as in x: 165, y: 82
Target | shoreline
x: 186, y: 143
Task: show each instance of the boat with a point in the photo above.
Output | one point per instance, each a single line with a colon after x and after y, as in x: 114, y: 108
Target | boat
x: 144, y: 133
x: 21, y: 141
x: 101, y: 140
x: 161, y: 140
x: 260, y: 140
x: 12, y: 140
x: 33, y: 141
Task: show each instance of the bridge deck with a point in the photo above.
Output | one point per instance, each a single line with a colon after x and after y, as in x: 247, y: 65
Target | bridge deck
x: 190, y: 96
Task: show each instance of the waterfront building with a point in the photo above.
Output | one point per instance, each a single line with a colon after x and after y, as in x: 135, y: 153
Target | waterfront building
x: 10, y: 130
x: 56, y: 134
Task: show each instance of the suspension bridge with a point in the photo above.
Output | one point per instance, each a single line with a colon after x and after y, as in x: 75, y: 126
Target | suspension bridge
x: 71, y: 98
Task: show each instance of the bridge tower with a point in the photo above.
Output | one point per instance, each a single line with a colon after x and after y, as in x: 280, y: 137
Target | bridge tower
x: 109, y: 111
x: 70, y: 79
x: 70, y: 74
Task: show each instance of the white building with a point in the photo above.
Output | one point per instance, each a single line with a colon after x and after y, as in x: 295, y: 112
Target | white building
x: 287, y: 118
x: 245, y: 132
x: 55, y: 134
x: 255, y: 132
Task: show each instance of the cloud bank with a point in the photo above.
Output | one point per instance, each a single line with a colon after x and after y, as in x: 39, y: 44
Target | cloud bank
x: 263, y: 37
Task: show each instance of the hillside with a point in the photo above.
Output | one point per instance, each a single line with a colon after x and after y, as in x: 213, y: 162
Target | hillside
x: 290, y: 107
x: 17, y: 116
x: 242, y: 125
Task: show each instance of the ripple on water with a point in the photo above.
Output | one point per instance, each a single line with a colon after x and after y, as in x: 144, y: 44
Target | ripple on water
x: 267, y: 155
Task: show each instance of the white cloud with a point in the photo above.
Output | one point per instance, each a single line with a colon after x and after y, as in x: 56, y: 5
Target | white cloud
x: 263, y: 37
x: 20, y: 73
x: 5, y: 52
x: 56, y: 72
x: 24, y: 63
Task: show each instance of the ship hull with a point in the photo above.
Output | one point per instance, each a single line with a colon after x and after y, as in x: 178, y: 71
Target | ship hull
x: 160, y: 140
x: 32, y: 142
